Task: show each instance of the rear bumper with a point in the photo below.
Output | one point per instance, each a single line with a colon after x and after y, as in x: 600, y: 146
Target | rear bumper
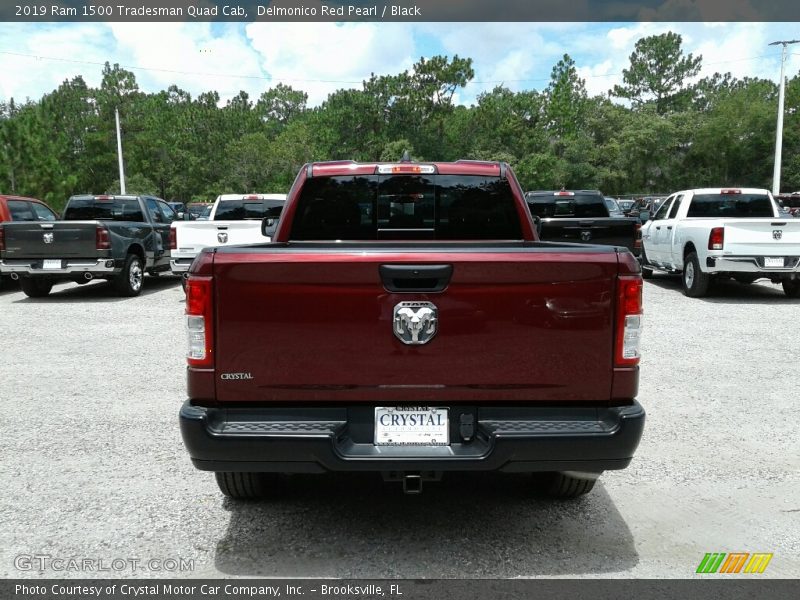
x: 751, y: 264
x: 69, y: 267
x: 314, y: 440
x: 179, y: 266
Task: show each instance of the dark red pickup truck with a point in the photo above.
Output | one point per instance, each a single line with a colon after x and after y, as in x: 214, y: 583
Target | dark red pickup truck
x: 405, y: 320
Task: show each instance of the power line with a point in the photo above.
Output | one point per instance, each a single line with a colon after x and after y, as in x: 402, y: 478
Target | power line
x: 306, y: 80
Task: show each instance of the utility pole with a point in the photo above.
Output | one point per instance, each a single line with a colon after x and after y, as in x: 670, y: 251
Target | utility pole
x: 776, y: 173
x: 119, y: 156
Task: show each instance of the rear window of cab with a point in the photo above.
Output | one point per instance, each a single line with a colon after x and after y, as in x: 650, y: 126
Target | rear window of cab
x: 386, y: 207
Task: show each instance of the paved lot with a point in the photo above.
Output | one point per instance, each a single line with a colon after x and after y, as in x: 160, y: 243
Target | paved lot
x: 93, y: 466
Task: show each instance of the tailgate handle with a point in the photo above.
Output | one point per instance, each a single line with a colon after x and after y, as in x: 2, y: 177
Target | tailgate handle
x: 415, y: 278
x: 669, y: 226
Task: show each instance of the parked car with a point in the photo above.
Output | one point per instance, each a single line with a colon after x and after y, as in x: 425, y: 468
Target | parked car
x: 20, y: 208
x: 118, y: 238
x: 235, y: 219
x: 200, y: 210
x: 723, y: 232
x: 614, y: 209
x: 406, y: 321
x: 582, y: 216
x: 626, y: 206
x: 790, y: 203
x: 179, y: 208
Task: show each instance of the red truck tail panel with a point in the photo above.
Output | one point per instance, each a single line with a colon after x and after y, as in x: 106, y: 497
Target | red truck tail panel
x: 318, y: 326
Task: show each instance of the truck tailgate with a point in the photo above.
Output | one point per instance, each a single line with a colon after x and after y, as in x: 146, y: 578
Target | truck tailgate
x: 528, y: 323
x: 193, y: 236
x: 57, y: 239
x: 762, y: 237
x: 614, y: 231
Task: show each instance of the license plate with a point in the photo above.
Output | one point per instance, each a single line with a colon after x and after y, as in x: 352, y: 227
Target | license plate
x: 411, y: 426
x: 52, y: 264
x: 773, y: 262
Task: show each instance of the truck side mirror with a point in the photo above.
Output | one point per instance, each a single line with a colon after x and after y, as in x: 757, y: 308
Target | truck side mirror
x: 267, y: 223
x: 537, y: 221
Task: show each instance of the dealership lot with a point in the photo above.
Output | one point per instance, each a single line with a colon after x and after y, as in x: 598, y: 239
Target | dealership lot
x: 94, y: 467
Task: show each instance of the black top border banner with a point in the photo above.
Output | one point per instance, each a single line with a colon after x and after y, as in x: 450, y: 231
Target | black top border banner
x: 400, y: 10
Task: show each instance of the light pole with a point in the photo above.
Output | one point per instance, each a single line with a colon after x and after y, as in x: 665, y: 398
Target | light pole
x: 776, y: 173
x: 119, y: 155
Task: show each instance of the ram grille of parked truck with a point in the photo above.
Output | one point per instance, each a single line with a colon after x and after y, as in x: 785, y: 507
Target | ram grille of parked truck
x: 583, y: 216
x: 235, y: 219
x: 712, y: 233
x: 406, y: 320
x: 119, y: 238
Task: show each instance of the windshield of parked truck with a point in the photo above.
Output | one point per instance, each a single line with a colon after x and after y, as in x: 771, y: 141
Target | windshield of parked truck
x: 110, y: 209
x: 387, y: 207
x: 237, y: 210
x: 731, y: 206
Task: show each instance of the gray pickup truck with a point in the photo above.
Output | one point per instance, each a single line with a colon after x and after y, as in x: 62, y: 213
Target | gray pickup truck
x: 119, y: 238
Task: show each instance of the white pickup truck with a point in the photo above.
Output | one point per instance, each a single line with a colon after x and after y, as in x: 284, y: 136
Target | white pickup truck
x: 234, y: 219
x: 723, y: 232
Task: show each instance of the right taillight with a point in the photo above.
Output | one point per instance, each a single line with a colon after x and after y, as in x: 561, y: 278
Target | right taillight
x: 2, y: 238
x: 716, y: 239
x: 199, y: 321
x: 173, y: 238
x: 101, y: 239
x: 629, y: 320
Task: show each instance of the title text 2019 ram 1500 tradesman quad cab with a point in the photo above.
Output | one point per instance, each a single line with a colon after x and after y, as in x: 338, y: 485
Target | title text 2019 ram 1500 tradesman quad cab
x: 105, y: 237
x: 405, y: 320
x: 720, y: 233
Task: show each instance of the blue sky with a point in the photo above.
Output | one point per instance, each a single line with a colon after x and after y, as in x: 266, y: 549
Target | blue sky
x: 322, y: 57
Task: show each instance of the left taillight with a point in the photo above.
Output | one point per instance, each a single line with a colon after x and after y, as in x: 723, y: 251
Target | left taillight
x: 101, y: 239
x: 173, y: 238
x: 199, y: 309
x: 629, y: 320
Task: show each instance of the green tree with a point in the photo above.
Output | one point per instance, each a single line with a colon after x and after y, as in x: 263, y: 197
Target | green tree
x: 658, y: 73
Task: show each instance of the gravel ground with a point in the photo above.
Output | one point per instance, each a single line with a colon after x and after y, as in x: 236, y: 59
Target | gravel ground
x: 93, y: 465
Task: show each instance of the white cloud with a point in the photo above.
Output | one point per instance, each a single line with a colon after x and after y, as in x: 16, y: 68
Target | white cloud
x: 190, y: 56
x: 320, y: 58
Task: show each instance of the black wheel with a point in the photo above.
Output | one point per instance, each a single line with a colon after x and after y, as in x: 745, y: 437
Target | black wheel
x: 561, y: 485
x: 647, y: 272
x: 791, y: 287
x: 695, y: 282
x: 246, y: 486
x: 35, y: 288
x: 129, y: 281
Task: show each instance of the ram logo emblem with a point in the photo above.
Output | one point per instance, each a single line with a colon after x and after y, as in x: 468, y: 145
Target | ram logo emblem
x: 586, y: 236
x: 222, y: 237
x: 47, y: 237
x: 415, y: 322
x: 777, y: 234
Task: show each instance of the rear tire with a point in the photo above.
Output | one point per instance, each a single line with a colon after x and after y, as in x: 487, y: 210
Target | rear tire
x: 246, y: 486
x: 129, y: 281
x: 791, y: 287
x: 563, y: 486
x: 647, y: 272
x: 695, y: 282
x: 35, y: 288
